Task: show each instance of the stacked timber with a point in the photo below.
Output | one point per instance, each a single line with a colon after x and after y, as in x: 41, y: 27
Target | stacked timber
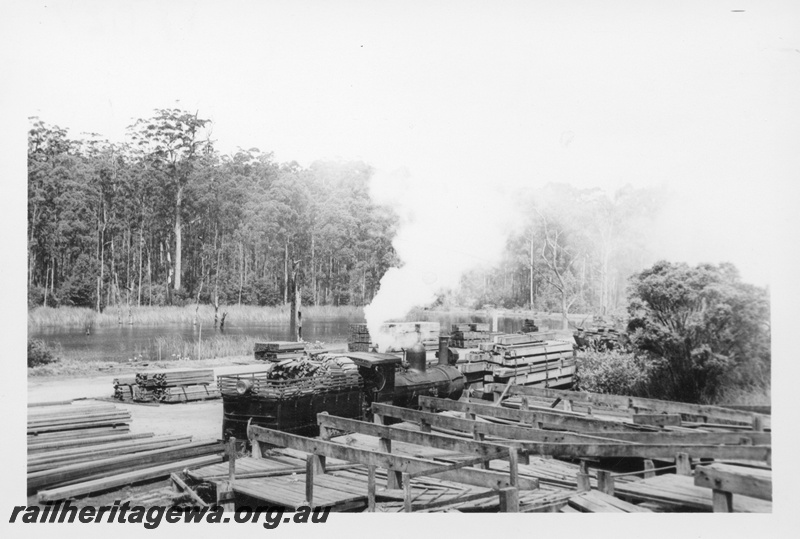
x: 124, y: 388
x: 279, y: 350
x: 167, y: 386
x: 64, y: 421
x: 529, y: 326
x: 470, y: 335
x: 474, y: 365
x: 99, y: 452
x: 359, y: 340
x: 525, y: 360
x: 394, y: 337
x: 397, y: 336
x: 190, y: 393
x: 599, y: 338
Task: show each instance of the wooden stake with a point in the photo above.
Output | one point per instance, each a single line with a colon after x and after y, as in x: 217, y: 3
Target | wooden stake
x: 649, y: 469
x: 584, y: 485
x: 722, y: 501
x: 509, y: 500
x: 225, y: 496
x: 513, y: 459
x: 406, y: 492
x: 683, y: 463
x: 525, y: 404
x: 371, y: 489
x: 310, y: 480
x: 231, y: 450
x: 605, y: 482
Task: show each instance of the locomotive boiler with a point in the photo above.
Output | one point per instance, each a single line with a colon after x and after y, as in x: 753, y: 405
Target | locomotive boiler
x: 360, y: 378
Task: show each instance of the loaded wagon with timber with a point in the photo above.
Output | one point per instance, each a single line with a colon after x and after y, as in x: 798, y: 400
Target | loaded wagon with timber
x: 289, y: 395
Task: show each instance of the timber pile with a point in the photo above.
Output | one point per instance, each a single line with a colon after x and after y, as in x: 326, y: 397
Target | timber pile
x: 359, y: 340
x: 525, y: 360
x: 167, y: 386
x: 470, y: 335
x: 64, y: 421
x: 522, y: 359
x: 292, y: 378
x: 529, y: 326
x: 124, y: 388
x: 279, y: 350
x: 191, y: 393
x: 394, y: 337
x: 599, y: 339
x: 68, y: 458
x: 474, y: 365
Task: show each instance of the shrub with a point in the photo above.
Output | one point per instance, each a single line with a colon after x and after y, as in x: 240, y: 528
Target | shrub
x: 700, y: 327
x: 612, y: 371
x: 39, y: 353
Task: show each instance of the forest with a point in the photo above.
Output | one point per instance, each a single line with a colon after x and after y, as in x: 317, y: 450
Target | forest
x: 164, y: 218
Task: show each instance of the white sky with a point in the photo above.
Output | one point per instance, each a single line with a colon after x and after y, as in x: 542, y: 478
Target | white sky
x: 484, y: 95
x: 479, y: 93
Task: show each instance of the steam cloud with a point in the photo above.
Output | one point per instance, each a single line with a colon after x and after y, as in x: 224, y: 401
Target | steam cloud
x: 446, y: 228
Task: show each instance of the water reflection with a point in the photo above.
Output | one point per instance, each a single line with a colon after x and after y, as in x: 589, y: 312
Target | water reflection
x: 124, y: 342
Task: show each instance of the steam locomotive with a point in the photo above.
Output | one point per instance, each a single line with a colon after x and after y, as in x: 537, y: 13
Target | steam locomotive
x: 293, y: 405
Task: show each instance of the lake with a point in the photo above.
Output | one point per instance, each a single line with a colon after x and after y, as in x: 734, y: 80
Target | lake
x: 124, y: 342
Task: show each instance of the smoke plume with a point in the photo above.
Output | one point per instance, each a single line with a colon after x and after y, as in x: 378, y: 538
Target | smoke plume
x: 446, y: 228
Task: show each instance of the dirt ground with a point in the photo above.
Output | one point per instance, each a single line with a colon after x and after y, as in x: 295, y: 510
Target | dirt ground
x: 201, y: 419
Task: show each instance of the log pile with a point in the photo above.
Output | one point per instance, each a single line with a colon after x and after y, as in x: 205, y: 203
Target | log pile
x: 167, y: 386
x: 292, y: 378
x: 68, y: 458
x: 279, y: 350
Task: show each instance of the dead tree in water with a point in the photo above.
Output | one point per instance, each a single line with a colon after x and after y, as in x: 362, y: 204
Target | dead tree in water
x: 294, y: 309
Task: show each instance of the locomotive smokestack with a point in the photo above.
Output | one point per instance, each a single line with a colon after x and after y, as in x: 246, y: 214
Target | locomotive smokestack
x: 415, y: 356
x: 444, y: 351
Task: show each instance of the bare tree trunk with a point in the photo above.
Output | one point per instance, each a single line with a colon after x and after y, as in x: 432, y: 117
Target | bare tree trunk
x: 216, y: 279
x: 286, y: 273
x: 149, y: 277
x: 197, y: 302
x: 46, y: 272
x: 141, y: 243
x: 241, y: 271
x: 313, y: 271
x: 531, y: 291
x: 53, y: 279
x: 178, y: 237
x: 169, y: 277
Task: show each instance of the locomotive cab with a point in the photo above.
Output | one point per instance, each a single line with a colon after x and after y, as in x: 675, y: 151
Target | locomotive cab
x: 378, y: 372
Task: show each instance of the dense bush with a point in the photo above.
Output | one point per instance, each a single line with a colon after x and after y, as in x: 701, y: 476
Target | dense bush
x: 39, y: 353
x: 612, y: 371
x: 700, y: 328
